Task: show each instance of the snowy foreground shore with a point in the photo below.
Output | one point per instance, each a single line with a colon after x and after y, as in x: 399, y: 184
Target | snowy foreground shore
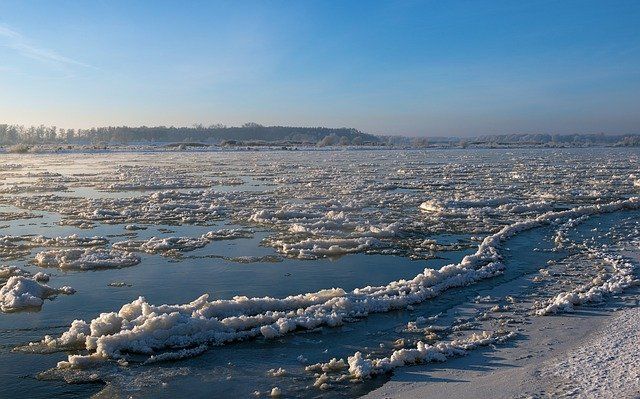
x: 588, y: 354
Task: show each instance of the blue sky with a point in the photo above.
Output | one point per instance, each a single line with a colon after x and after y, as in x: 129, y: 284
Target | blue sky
x: 397, y: 67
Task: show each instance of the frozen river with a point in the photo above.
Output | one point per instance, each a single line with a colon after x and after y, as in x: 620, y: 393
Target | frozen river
x: 244, y: 273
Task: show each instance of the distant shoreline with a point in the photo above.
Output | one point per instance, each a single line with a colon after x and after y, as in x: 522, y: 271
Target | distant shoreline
x: 198, y: 147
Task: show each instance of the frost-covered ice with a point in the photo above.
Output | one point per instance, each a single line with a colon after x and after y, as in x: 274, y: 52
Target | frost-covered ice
x: 360, y: 367
x: 617, y: 276
x: 7, y: 272
x: 15, y: 247
x: 71, y: 241
x: 227, y: 234
x: 20, y: 290
x: 24, y: 293
x: 83, y: 259
x: 314, y: 248
x: 162, y: 245
x: 172, y: 245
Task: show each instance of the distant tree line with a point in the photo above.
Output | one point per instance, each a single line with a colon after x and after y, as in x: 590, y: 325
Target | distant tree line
x: 16, y: 134
x: 255, y: 135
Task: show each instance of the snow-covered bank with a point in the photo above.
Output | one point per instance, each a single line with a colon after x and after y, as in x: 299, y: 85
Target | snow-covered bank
x: 607, y: 365
x: 587, y: 355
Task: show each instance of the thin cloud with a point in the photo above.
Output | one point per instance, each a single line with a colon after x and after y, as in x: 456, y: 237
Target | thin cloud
x: 22, y: 45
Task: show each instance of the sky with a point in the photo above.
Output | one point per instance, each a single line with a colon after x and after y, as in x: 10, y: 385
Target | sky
x: 420, y: 68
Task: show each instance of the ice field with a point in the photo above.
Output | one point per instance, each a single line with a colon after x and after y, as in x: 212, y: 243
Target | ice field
x: 310, y: 273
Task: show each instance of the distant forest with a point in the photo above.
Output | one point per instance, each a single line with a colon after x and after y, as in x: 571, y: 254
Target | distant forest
x: 249, y: 133
x: 253, y: 134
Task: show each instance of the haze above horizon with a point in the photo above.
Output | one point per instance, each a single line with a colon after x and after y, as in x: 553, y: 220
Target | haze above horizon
x: 423, y: 68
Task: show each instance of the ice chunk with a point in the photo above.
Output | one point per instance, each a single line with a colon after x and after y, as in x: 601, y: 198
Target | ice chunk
x: 84, y: 259
x: 22, y: 293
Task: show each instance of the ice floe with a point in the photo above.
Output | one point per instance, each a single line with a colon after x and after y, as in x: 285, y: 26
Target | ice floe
x: 20, y: 293
x: 85, y: 259
x: 173, y: 245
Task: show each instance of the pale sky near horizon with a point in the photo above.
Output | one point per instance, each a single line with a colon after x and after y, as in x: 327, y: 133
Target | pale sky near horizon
x: 429, y: 68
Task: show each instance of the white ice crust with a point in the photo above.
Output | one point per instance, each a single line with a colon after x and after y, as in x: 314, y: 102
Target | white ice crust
x: 20, y: 293
x: 86, y: 259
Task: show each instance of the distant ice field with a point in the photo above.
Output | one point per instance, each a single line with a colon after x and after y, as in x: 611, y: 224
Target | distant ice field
x: 308, y: 273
